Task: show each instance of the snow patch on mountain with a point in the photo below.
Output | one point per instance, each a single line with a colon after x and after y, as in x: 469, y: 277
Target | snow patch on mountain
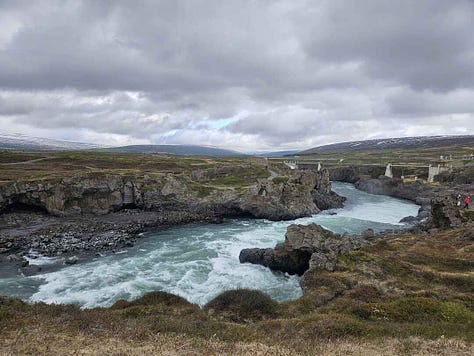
x: 24, y: 142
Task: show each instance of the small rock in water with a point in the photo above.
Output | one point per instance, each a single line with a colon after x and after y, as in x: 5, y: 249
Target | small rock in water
x: 30, y: 270
x: 13, y: 257
x: 409, y: 220
x: 71, y: 260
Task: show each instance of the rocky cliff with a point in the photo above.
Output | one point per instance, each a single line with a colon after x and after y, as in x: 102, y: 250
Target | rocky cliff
x: 438, y: 203
x: 305, y: 247
x: 102, y: 194
x: 107, y: 211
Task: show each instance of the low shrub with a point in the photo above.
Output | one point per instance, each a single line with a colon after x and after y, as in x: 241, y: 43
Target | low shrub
x: 243, y: 304
x: 280, y: 180
x: 151, y: 299
x: 414, y: 309
x: 366, y: 293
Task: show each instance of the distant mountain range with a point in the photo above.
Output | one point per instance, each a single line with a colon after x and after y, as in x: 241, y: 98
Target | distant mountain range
x: 394, y: 143
x: 276, y: 153
x: 180, y: 150
x: 28, y: 143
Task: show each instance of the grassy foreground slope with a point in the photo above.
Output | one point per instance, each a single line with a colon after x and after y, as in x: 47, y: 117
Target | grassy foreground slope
x: 411, y: 294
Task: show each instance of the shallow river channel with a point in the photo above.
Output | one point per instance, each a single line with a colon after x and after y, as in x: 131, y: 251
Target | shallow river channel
x: 197, y: 261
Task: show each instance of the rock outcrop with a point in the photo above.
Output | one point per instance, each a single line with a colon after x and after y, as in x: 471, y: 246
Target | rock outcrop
x: 395, y: 187
x: 305, y: 247
x: 458, y: 176
x: 344, y: 174
x: 322, y: 195
x: 281, y: 201
x: 102, y: 194
x: 78, y: 212
x: 445, y: 214
x: 438, y: 203
x: 417, y: 192
x: 352, y: 174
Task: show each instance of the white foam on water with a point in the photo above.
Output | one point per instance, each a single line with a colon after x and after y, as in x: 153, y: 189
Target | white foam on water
x: 199, y: 261
x: 35, y: 258
x: 375, y: 208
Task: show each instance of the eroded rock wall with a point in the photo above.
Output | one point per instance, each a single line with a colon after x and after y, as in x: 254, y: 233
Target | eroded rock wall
x: 305, y: 247
x: 102, y: 194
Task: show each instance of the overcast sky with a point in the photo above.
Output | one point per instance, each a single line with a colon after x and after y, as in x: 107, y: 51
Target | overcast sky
x: 247, y: 75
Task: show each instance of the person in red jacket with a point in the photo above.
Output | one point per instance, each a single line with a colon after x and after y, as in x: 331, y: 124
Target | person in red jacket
x: 467, y: 201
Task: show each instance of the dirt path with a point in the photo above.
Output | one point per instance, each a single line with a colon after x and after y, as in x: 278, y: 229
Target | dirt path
x: 273, y: 174
x: 26, y: 162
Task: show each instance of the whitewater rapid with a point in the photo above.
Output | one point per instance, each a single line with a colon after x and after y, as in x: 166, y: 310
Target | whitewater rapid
x: 198, y: 261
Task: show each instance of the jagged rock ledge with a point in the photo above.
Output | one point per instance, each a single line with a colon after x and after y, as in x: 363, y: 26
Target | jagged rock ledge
x: 108, y: 211
x: 305, y: 247
x: 438, y: 208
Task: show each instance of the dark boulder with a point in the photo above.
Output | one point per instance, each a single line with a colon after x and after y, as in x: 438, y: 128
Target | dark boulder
x: 445, y: 214
x: 409, y: 220
x: 305, y: 246
x: 344, y: 174
x: 328, y: 201
x: 30, y: 270
x: 71, y: 260
x: 278, y: 259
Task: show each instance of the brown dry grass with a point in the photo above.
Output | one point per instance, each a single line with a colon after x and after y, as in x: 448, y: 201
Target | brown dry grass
x: 410, y: 295
x: 57, y: 165
x: 33, y: 342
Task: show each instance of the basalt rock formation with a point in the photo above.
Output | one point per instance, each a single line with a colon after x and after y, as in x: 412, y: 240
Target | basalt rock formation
x: 352, y: 174
x: 344, y: 174
x: 395, y: 187
x: 464, y: 175
x: 305, y: 247
x: 438, y: 203
x: 89, y: 211
x: 98, y: 195
x: 322, y: 195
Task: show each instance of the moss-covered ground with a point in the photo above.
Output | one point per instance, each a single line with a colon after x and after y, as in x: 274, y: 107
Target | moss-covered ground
x: 412, y: 156
x: 410, y: 294
x: 53, y: 166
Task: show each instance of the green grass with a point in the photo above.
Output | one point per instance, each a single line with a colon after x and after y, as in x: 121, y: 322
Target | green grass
x: 280, y: 180
x: 200, y: 189
x: 242, y: 177
x: 399, y: 156
x: 442, y: 263
x: 415, y: 309
x: 13, y: 156
x: 406, y: 286
x: 243, y: 304
x: 66, y: 164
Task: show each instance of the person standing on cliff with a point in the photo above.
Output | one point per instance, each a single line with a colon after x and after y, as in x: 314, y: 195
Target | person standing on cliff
x: 459, y: 200
x: 467, y: 201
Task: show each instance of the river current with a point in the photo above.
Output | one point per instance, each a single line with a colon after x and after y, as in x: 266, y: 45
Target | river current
x: 197, y: 261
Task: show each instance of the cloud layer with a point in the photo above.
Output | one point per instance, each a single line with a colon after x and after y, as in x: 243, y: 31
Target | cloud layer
x: 249, y: 75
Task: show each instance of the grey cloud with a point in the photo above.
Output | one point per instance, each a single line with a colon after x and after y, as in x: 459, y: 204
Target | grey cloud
x: 425, y: 44
x: 406, y: 102
x: 286, y: 72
